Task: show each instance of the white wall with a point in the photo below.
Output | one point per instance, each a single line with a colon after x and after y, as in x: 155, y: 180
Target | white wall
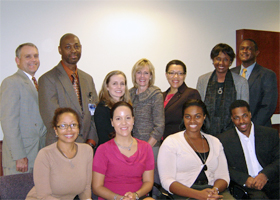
x: 115, y: 34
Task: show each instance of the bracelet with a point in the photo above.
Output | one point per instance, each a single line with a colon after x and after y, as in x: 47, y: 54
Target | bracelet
x: 217, y: 189
x: 115, y: 197
x: 136, y: 196
x: 122, y: 198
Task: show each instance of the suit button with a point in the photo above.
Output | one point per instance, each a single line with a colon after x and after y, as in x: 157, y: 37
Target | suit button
x: 35, y: 124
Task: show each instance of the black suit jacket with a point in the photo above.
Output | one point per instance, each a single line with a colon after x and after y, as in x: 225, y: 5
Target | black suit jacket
x: 267, y: 152
x: 263, y: 94
x: 173, y: 109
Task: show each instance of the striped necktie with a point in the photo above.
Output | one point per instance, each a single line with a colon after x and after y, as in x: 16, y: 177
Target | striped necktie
x: 76, y: 87
x: 35, y: 82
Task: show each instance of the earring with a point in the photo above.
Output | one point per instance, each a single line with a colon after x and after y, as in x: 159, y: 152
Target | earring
x: 56, y: 135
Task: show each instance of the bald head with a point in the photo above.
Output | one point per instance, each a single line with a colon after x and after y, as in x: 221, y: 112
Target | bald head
x: 66, y: 36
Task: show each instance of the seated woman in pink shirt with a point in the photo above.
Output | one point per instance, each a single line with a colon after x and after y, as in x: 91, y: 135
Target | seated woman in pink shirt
x: 123, y: 167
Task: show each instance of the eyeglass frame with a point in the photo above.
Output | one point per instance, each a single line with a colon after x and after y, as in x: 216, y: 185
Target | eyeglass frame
x: 172, y: 74
x: 72, y: 126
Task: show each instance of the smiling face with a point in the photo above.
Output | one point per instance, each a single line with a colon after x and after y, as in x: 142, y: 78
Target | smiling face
x: 222, y: 63
x: 69, y: 134
x: 248, y: 53
x: 241, y: 118
x: 193, y: 118
x: 143, y: 77
x: 175, y: 80
x: 116, y: 86
x: 28, y: 60
x: 122, y: 121
x: 70, y: 50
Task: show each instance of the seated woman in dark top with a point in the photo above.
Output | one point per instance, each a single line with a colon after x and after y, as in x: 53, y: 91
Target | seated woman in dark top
x: 191, y: 163
x: 114, y: 89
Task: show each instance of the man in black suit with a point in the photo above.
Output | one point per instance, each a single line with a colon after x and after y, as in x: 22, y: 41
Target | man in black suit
x: 252, y: 153
x: 262, y: 83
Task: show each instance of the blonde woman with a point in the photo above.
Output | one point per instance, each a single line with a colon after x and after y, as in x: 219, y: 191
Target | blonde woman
x: 114, y: 89
x: 147, y: 101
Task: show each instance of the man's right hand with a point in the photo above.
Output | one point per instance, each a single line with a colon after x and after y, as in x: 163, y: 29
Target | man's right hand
x: 250, y: 182
x: 22, y: 165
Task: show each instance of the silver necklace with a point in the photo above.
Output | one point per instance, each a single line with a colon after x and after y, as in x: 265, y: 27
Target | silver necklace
x: 127, y: 148
x: 70, y: 160
x: 204, y: 156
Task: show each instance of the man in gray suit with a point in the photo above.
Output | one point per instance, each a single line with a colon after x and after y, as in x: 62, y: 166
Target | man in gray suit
x: 23, y: 128
x: 67, y: 86
x: 262, y: 83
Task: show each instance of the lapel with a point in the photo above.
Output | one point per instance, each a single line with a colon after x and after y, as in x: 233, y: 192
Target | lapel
x: 176, y: 96
x: 28, y: 84
x: 259, y: 143
x: 236, y: 69
x: 69, y: 90
x: 254, y: 74
x: 237, y: 150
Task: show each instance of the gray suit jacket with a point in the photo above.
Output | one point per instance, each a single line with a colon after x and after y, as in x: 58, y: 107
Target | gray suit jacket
x: 241, y: 86
x: 263, y: 94
x: 23, y: 128
x: 56, y: 90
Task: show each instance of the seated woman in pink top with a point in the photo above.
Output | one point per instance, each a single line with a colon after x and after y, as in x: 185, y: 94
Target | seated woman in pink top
x: 123, y: 167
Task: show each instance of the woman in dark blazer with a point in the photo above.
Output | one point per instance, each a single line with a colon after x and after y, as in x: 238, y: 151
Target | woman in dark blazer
x: 176, y: 95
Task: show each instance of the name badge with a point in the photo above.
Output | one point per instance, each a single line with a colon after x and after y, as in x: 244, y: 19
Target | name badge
x: 91, y: 108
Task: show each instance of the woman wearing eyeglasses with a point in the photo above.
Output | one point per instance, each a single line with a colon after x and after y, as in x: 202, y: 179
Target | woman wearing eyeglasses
x: 63, y: 169
x: 147, y: 104
x: 175, y: 96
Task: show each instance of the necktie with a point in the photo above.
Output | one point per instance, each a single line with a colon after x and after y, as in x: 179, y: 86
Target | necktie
x: 35, y: 82
x: 76, y: 87
x: 244, y: 73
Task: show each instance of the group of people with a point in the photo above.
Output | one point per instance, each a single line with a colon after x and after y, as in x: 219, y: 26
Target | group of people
x: 136, y: 131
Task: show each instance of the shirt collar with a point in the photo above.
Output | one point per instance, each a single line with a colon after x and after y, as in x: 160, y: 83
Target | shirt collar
x: 244, y: 137
x: 69, y: 71
x: 249, y: 69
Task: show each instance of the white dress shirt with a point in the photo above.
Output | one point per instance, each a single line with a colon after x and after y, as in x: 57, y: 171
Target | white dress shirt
x: 30, y: 77
x: 248, y: 145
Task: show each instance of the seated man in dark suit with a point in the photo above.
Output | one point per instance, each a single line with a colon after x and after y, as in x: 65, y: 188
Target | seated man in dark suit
x: 252, y: 153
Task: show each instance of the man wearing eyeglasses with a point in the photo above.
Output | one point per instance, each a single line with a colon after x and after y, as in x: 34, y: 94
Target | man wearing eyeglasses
x: 67, y: 86
x: 23, y: 128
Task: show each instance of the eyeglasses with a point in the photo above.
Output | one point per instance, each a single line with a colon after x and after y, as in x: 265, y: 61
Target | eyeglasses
x: 171, y: 74
x: 66, y: 126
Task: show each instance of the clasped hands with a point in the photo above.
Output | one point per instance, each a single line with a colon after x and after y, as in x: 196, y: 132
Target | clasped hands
x: 129, y: 196
x: 211, y: 194
x: 258, y: 182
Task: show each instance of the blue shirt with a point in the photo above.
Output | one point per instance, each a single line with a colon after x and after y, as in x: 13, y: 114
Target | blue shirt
x: 249, y: 70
